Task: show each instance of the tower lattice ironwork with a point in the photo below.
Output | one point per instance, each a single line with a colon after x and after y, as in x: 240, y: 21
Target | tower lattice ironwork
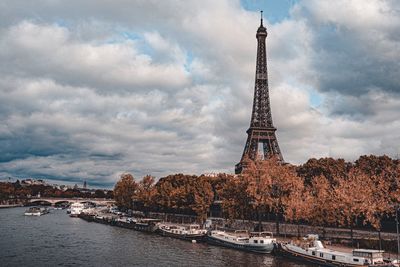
x: 261, y: 138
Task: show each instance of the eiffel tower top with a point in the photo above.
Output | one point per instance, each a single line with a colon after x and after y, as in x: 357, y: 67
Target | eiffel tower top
x: 261, y: 114
x: 261, y: 29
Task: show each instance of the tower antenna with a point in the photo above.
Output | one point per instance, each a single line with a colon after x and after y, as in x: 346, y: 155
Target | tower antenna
x: 261, y: 17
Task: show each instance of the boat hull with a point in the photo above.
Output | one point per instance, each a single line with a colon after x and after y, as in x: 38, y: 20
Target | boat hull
x: 33, y: 214
x: 139, y: 226
x: 187, y: 237
x: 266, y: 249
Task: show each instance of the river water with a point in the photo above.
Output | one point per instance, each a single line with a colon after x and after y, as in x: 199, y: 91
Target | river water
x: 56, y: 239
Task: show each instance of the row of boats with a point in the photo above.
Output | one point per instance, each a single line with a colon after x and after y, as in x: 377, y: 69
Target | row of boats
x: 259, y: 242
x: 309, y: 249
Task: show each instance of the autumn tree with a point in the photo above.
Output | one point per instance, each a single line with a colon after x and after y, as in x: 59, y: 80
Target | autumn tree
x: 353, y: 199
x: 382, y: 173
x: 299, y: 207
x: 124, y: 191
x: 184, y: 194
x: 203, y: 196
x: 332, y: 169
x: 234, y: 197
x: 271, y: 184
x: 322, y: 208
x: 218, y: 182
x: 146, y: 191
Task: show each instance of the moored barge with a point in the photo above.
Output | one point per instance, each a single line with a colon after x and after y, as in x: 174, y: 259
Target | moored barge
x: 314, y: 251
x: 191, y: 232
x: 258, y: 242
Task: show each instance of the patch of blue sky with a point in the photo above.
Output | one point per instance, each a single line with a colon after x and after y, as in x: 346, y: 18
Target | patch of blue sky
x: 315, y: 98
x: 131, y: 35
x: 138, y: 38
x: 122, y: 36
x: 62, y: 23
x: 274, y: 10
x: 188, y: 61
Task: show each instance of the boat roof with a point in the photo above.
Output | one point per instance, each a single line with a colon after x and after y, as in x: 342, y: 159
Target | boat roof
x: 150, y: 220
x: 336, y: 252
x: 261, y: 233
x: 368, y: 250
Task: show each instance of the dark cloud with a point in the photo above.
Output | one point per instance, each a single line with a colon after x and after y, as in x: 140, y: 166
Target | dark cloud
x: 356, y: 45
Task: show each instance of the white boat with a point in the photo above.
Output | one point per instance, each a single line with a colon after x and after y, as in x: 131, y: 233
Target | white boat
x: 182, y: 231
x: 36, y: 211
x: 314, y: 251
x: 259, y: 242
x: 76, y: 209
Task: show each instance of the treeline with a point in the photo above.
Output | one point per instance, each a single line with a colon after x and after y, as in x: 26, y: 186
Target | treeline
x: 320, y: 192
x: 17, y: 193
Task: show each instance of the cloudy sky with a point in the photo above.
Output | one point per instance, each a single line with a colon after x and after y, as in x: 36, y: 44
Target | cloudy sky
x: 90, y: 89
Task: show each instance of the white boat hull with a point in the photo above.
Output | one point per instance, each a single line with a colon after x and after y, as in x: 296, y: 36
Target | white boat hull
x: 263, y: 249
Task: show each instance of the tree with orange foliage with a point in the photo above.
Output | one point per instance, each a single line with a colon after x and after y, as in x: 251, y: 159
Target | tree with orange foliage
x: 184, y: 194
x: 330, y: 168
x: 145, y: 191
x: 353, y: 199
x: 235, y: 200
x: 271, y: 185
x: 164, y: 197
x: 321, y: 202
x: 299, y: 207
x: 124, y: 191
x: 382, y: 172
x: 203, y: 197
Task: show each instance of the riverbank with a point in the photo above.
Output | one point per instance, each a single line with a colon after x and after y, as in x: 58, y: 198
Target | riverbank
x: 5, y: 206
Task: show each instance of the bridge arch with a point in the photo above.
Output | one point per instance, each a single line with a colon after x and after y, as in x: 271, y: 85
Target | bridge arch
x: 41, y: 202
x: 60, y: 202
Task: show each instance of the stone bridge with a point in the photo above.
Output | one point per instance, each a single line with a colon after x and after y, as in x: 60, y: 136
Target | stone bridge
x: 54, y: 201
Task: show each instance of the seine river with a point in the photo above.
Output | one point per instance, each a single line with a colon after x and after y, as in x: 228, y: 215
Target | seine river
x: 56, y: 239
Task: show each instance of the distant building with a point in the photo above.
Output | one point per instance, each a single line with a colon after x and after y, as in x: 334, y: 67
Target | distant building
x: 84, y: 185
x: 28, y: 182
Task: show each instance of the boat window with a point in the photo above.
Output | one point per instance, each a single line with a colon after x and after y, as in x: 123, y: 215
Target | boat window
x: 355, y: 260
x: 255, y: 241
x: 262, y: 241
x: 321, y: 255
x: 313, y: 253
x: 333, y: 257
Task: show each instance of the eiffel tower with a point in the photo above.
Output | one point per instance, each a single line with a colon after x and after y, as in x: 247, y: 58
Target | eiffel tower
x: 261, y: 139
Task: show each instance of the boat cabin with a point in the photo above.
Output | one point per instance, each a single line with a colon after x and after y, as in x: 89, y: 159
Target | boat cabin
x: 260, y: 237
x: 374, y: 256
